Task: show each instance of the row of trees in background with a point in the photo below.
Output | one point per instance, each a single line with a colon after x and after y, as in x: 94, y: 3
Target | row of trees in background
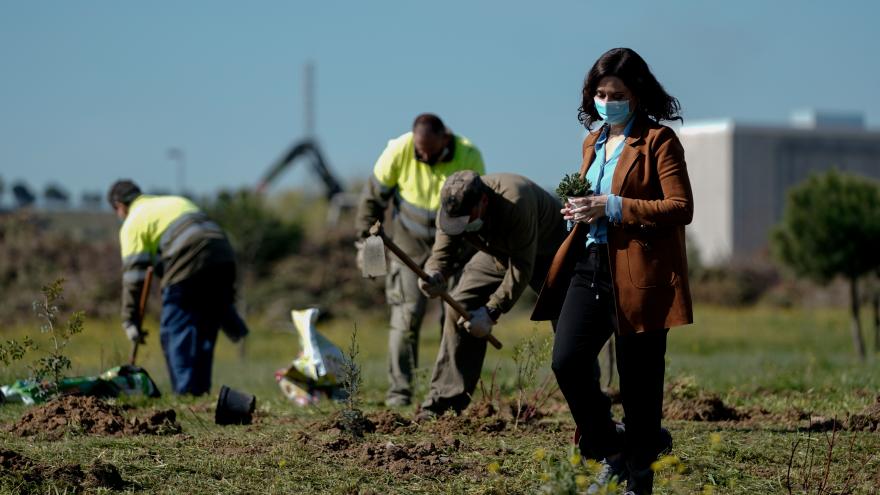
x: 830, y: 228
x: 54, y: 197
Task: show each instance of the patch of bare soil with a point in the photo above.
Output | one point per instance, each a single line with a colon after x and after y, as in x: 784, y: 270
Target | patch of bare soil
x: 13, y: 462
x: 821, y: 423
x: 449, y: 425
x: 702, y: 407
x: 98, y: 475
x: 482, y: 410
x: 793, y: 416
x: 422, y: 459
x: 525, y: 414
x: 351, y: 421
x: 337, y: 443
x: 90, y: 416
x: 867, y: 420
x: 390, y: 423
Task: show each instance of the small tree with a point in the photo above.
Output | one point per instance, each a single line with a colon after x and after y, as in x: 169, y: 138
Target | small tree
x: 48, y: 370
x: 831, y: 227
x: 52, y: 367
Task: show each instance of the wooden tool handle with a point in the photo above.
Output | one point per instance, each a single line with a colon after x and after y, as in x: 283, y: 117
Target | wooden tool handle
x: 142, y: 310
x: 377, y: 230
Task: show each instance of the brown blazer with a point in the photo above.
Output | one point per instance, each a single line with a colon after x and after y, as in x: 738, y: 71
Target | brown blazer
x: 647, y: 248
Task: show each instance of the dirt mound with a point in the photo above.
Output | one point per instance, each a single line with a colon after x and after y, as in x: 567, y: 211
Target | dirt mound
x: 867, y: 420
x: 449, y: 425
x: 525, y: 413
x: 98, y: 475
x: 104, y: 474
x: 90, y: 416
x: 390, y: 423
x: 423, y: 459
x: 703, y: 407
x: 162, y: 422
x: 351, y: 421
x: 821, y: 423
x: 13, y: 462
x: 482, y: 410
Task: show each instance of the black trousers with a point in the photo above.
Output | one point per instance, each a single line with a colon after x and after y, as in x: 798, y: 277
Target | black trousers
x: 587, y: 320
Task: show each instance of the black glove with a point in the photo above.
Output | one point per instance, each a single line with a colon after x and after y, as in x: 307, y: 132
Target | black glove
x: 434, y: 286
x: 480, y: 324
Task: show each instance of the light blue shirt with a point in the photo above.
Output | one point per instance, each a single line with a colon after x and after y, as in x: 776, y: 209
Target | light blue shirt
x: 600, y: 175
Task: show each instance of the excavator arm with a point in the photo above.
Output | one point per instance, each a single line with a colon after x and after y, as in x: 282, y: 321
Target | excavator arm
x: 310, y: 150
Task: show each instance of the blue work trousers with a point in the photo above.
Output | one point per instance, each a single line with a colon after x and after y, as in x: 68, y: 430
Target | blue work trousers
x: 192, y: 313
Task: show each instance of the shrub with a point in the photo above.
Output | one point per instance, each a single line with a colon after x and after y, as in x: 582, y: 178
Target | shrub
x: 258, y: 233
x: 734, y: 284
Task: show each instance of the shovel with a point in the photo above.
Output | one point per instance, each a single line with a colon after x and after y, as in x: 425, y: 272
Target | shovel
x: 374, y: 265
x: 142, y: 308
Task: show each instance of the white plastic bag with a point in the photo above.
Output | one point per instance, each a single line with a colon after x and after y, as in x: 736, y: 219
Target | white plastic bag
x: 314, y: 373
x: 319, y: 359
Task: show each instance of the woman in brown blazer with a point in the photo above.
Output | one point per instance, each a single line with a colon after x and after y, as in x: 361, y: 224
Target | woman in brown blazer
x: 622, y: 268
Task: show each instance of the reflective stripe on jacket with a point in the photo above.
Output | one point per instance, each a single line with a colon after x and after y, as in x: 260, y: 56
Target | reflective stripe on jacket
x: 413, y: 185
x: 170, y: 233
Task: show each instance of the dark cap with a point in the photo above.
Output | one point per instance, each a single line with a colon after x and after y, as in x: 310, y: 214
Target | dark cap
x: 461, y: 192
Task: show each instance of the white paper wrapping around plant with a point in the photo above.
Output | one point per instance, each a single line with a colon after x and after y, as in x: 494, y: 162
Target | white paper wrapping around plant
x: 319, y: 359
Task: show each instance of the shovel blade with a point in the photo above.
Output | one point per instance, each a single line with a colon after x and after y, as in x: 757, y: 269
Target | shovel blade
x: 374, y: 257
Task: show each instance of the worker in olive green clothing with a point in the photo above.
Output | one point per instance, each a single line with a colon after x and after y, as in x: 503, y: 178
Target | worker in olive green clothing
x: 409, y: 175
x: 516, y: 228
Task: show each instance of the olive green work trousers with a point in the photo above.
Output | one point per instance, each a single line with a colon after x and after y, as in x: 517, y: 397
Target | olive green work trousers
x: 460, y: 358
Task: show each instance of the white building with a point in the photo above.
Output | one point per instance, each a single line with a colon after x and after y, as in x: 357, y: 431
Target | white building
x: 740, y: 174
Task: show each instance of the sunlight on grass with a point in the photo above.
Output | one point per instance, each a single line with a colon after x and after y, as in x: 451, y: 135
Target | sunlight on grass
x: 754, y: 358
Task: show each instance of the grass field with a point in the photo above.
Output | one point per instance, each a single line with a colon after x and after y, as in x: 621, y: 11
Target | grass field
x: 759, y: 359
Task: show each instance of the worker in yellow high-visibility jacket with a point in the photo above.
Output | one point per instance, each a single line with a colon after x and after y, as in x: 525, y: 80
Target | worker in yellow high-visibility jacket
x: 196, y: 263
x: 409, y: 175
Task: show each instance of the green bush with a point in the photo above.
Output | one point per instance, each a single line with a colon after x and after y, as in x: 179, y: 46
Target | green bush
x: 259, y: 234
x: 831, y: 228
x: 733, y: 284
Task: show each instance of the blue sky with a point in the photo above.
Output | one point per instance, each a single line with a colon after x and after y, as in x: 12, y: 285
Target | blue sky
x: 96, y: 90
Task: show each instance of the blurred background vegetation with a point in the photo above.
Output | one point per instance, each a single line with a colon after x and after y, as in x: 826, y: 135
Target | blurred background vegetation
x: 289, y: 256
x: 294, y: 252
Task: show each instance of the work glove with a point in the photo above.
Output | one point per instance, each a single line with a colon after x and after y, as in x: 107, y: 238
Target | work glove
x: 359, y: 257
x: 434, y: 286
x: 134, y: 332
x: 480, y: 324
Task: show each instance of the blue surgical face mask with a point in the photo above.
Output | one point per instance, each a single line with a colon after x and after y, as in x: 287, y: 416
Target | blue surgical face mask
x: 613, y: 112
x: 474, y: 226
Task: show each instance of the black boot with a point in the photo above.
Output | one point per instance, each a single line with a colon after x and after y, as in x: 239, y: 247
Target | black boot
x: 640, y: 481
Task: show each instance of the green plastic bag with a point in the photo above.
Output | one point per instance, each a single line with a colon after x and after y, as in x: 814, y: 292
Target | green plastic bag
x: 121, y: 380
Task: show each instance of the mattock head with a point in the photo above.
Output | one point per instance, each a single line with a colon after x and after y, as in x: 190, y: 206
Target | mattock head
x: 374, y: 256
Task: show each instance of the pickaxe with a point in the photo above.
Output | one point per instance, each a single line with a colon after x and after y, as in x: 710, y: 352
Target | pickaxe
x: 374, y: 265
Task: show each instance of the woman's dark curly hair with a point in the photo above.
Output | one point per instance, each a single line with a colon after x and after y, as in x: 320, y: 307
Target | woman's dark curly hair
x: 626, y: 64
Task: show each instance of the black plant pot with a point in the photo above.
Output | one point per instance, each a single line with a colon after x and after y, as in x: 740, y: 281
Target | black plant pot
x: 234, y: 407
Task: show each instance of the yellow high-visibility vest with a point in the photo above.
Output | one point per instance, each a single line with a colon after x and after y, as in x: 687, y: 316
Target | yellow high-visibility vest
x: 418, y: 184
x: 148, y: 218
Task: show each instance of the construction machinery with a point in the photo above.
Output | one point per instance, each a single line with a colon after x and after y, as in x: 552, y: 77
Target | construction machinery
x: 308, y: 149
